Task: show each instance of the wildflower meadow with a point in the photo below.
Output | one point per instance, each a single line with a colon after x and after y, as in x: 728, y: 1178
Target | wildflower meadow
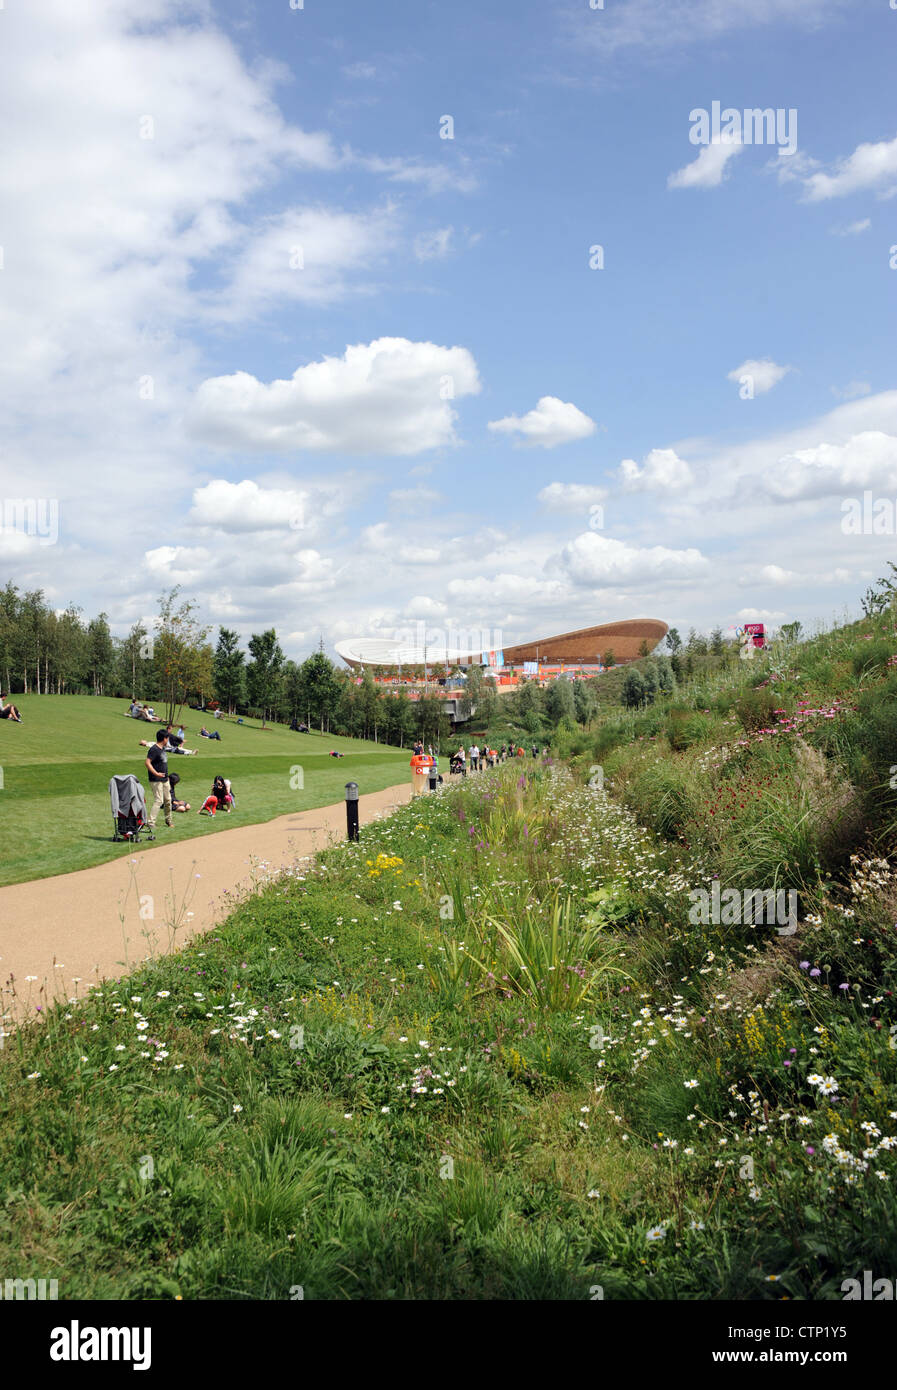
x: 491, y: 1051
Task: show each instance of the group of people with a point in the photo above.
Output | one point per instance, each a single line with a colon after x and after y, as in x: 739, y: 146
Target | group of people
x: 138, y: 711
x: 163, y: 784
x: 9, y: 712
x: 487, y: 757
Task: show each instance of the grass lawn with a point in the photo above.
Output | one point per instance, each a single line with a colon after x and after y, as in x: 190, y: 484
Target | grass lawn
x: 56, y: 765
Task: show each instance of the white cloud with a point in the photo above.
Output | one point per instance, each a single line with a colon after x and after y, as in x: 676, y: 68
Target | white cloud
x: 571, y: 497
x: 433, y: 246
x: 384, y: 397
x: 414, y: 499
x: 433, y: 178
x: 359, y: 70
x: 552, y: 422
x: 638, y: 25
x: 866, y: 460
x: 246, y: 507
x: 853, y: 228
x: 871, y: 167
x: 663, y: 471
x: 490, y: 591
x: 601, y: 561
x: 852, y: 390
x: 764, y: 374
x: 709, y: 169
x: 309, y: 255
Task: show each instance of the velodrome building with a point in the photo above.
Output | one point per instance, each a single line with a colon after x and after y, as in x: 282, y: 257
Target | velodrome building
x: 587, y: 646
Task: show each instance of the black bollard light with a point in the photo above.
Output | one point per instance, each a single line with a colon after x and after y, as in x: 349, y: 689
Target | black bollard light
x: 352, y: 810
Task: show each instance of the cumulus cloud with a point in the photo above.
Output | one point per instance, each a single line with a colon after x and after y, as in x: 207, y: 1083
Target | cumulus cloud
x: 245, y: 506
x: 508, y: 588
x: 391, y: 396
x: 552, y: 422
x: 764, y: 374
x: 709, y: 169
x: 600, y: 561
x: 866, y: 460
x: 662, y: 471
x: 871, y: 168
x: 571, y: 497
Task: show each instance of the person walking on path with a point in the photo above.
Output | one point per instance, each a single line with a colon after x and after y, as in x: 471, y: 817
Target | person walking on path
x: 157, y: 770
x: 475, y: 758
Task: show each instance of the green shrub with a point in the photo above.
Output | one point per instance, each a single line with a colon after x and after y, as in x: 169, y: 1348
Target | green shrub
x: 684, y: 727
x: 755, y: 709
x: 872, y: 657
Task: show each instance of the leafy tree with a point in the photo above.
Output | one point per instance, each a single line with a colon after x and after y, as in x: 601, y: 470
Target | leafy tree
x: 135, y: 665
x: 665, y: 682
x: 263, y: 671
x: 791, y: 632
x: 585, y: 700
x: 673, y: 640
x: 181, y: 653
x: 527, y: 699
x: 717, y: 646
x: 609, y: 658
x: 32, y: 625
x: 100, y: 653
x: 9, y: 632
x: 320, y: 687
x: 228, y: 669
x: 560, y: 701
x: 633, y: 692
x: 650, y: 682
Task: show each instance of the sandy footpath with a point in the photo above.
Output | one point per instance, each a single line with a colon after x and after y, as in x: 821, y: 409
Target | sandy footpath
x: 70, y: 930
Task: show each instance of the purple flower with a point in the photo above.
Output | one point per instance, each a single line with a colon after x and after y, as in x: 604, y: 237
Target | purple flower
x: 787, y: 1064
x: 805, y: 965
x: 810, y: 1149
x: 815, y: 971
x: 844, y: 986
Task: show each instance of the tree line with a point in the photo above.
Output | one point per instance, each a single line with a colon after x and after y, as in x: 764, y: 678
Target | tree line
x: 172, y: 662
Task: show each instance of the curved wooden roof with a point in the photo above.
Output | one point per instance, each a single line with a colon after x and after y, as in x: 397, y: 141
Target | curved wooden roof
x: 624, y: 639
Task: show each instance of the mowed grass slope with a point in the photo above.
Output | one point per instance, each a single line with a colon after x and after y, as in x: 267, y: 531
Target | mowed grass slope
x: 54, y: 803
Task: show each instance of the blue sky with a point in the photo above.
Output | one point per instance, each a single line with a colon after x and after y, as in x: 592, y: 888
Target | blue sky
x: 270, y: 337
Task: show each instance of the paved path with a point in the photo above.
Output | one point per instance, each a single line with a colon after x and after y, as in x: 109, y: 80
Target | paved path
x: 73, y: 929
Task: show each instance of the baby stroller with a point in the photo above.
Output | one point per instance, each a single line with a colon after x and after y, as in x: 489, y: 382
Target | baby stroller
x: 128, y: 809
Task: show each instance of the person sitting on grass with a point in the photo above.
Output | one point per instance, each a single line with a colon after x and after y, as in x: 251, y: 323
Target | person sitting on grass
x: 220, y: 798
x: 204, y: 733
x: 335, y: 754
x: 172, y: 745
x: 176, y: 803
x: 9, y: 712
